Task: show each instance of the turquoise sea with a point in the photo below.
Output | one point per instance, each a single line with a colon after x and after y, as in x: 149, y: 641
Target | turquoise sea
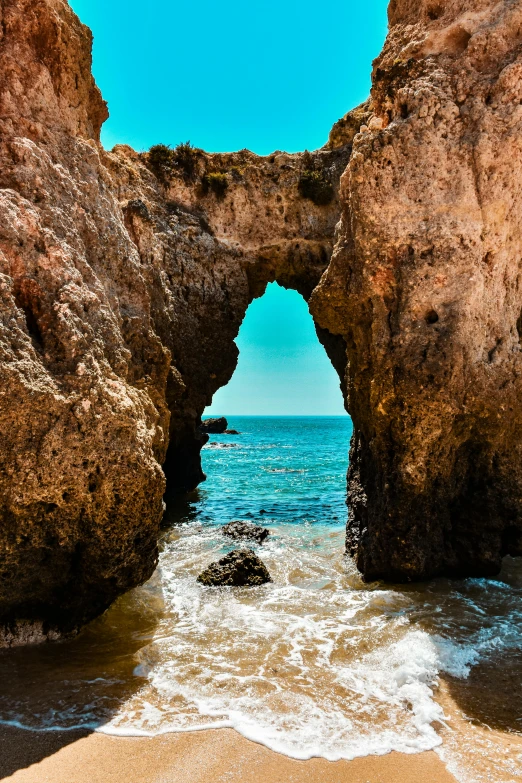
x: 287, y: 469
x: 317, y: 663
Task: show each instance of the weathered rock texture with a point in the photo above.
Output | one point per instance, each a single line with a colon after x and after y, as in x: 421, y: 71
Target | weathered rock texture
x: 425, y: 286
x: 123, y: 286
x: 124, y: 278
x: 240, y: 528
x: 240, y: 568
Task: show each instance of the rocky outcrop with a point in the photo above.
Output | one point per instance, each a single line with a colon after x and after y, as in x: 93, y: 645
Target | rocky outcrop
x: 241, y: 529
x: 123, y: 281
x: 214, y: 426
x: 240, y: 568
x: 83, y: 416
x: 425, y: 289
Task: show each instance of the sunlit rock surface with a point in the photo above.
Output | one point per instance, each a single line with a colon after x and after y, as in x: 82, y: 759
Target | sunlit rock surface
x: 123, y: 286
x: 240, y: 568
x: 425, y: 288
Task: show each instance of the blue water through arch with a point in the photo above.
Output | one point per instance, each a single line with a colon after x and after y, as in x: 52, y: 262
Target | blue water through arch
x: 279, y: 469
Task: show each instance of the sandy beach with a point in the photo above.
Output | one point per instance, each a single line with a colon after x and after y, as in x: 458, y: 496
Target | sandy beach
x: 224, y: 756
x: 193, y: 757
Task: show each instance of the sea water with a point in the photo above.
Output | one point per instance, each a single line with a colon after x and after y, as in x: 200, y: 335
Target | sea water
x: 316, y: 663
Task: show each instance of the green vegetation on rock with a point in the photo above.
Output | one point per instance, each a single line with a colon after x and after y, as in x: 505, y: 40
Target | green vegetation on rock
x: 313, y: 185
x: 164, y: 161
x: 217, y: 182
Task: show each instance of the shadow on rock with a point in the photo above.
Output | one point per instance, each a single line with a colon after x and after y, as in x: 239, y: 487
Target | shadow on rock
x: 240, y: 529
x: 180, y: 509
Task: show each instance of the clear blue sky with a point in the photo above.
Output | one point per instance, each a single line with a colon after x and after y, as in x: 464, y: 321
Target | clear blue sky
x: 231, y: 74
x: 228, y: 75
x: 282, y: 368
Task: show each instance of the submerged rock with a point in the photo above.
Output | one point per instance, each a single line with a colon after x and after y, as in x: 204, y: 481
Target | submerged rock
x: 240, y: 568
x: 214, y: 426
x: 239, y: 528
x: 232, y: 432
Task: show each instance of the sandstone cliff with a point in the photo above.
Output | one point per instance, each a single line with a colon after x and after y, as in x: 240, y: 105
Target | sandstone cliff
x: 124, y: 281
x: 124, y: 278
x: 425, y: 288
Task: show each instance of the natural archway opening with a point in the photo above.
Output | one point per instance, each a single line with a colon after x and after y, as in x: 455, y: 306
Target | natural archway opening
x: 282, y: 369
x: 285, y: 460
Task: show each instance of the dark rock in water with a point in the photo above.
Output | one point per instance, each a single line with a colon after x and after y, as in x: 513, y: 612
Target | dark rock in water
x: 214, y: 426
x: 240, y: 568
x: 241, y: 529
x: 232, y: 432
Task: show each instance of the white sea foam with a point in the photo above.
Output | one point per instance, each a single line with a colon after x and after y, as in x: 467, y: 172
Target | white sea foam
x: 316, y: 663
x: 313, y: 665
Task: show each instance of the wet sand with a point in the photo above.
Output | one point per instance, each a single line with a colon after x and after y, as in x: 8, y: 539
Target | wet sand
x: 479, y: 743
x: 220, y: 756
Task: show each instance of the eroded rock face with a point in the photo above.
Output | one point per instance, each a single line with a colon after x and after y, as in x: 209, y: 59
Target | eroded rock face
x: 83, y: 417
x: 124, y: 278
x: 425, y: 288
x: 208, y: 255
x: 122, y: 290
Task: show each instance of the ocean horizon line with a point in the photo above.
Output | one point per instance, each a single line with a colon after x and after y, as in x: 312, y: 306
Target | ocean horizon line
x: 279, y: 415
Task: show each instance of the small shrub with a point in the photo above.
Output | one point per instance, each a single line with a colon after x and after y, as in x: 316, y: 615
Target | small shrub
x: 307, y: 161
x: 159, y: 159
x: 237, y: 173
x: 314, y: 186
x: 217, y: 182
x: 185, y: 157
x: 163, y: 160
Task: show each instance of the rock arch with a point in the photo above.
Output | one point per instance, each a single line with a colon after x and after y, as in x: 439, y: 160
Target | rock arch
x: 218, y: 254
x: 124, y: 279
x: 123, y: 285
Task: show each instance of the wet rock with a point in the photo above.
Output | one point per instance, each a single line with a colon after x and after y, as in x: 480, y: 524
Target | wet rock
x: 214, y: 426
x: 240, y: 568
x: 232, y: 432
x: 240, y: 529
